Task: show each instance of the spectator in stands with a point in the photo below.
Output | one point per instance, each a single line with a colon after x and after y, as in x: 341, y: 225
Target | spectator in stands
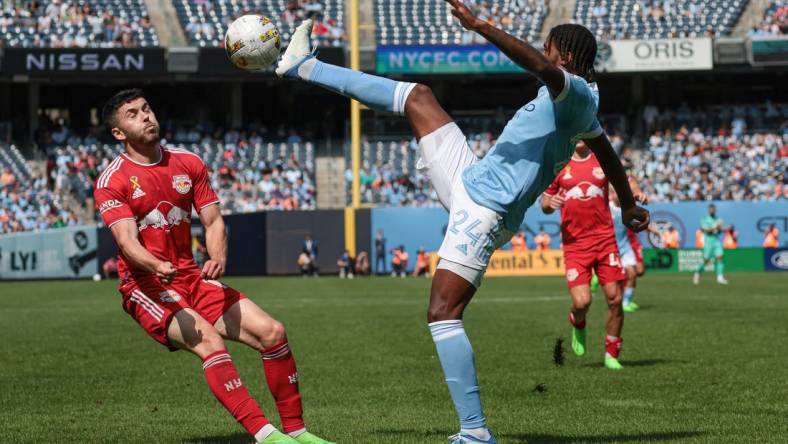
x: 399, y: 261
x: 362, y: 263
x: 310, y: 246
x: 380, y: 253
x: 518, y: 242
x: 670, y: 238
x: 7, y: 179
x: 730, y: 238
x: 422, y: 263
x: 305, y: 263
x: 542, y: 241
x: 771, y: 238
x: 345, y: 264
x: 110, y: 268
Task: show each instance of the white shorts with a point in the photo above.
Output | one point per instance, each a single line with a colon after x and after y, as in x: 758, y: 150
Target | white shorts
x: 474, y: 231
x: 628, y: 259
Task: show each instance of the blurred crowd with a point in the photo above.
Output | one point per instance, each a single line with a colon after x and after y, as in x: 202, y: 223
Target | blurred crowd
x: 27, y: 205
x: 517, y: 14
x: 71, y: 24
x: 692, y: 165
x: 775, y: 21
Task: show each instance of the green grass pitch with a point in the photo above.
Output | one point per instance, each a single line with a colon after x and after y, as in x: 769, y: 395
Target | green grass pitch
x: 703, y: 364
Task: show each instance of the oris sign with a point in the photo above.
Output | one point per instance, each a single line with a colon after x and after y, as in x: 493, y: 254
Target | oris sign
x: 655, y: 55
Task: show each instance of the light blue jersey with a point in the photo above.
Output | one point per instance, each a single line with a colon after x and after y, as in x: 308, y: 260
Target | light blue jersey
x: 534, y: 146
x: 622, y: 237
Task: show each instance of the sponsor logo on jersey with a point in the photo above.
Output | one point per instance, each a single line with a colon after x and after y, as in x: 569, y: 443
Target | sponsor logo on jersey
x: 135, y: 185
x: 572, y: 274
x: 165, y: 216
x: 584, y: 191
x: 568, y: 174
x: 182, y: 183
x: 598, y: 173
x: 109, y: 204
x: 169, y: 296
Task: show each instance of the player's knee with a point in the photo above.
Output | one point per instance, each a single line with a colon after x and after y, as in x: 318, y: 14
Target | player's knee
x: 210, y: 342
x: 442, y: 311
x: 420, y: 96
x: 272, y: 333
x: 615, y: 300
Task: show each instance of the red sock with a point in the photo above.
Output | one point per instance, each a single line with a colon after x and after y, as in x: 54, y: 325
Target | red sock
x: 282, y: 378
x: 578, y: 325
x: 226, y: 385
x: 613, y: 346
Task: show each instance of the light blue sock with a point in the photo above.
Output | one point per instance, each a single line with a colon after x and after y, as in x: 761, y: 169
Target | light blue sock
x: 378, y: 93
x: 456, y: 356
x: 629, y: 293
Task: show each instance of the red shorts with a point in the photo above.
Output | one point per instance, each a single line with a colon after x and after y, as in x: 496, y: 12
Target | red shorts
x: 152, y: 304
x: 603, y: 258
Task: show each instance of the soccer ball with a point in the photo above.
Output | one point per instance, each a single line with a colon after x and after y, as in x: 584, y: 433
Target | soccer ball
x: 252, y: 42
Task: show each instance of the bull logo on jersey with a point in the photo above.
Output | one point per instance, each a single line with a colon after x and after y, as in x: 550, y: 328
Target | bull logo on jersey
x: 584, y: 191
x: 169, y: 296
x: 598, y: 173
x: 182, y: 183
x: 165, y: 216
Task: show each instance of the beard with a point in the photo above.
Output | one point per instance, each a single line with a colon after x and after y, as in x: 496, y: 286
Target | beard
x: 147, y: 136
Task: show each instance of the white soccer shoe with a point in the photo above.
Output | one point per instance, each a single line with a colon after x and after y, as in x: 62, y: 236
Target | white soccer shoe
x: 721, y: 280
x: 466, y: 438
x: 298, y: 50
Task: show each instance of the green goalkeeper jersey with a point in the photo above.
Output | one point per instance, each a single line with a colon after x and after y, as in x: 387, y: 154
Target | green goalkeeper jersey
x: 709, y: 223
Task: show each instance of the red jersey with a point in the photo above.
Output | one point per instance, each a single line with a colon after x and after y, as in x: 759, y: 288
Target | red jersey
x: 585, y: 216
x: 159, y: 198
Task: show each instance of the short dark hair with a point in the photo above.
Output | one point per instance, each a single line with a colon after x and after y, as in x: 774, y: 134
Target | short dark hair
x: 577, y: 40
x: 109, y: 112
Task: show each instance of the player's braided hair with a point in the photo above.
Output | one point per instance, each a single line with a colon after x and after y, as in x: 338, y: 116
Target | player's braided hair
x: 578, y: 41
x: 109, y: 113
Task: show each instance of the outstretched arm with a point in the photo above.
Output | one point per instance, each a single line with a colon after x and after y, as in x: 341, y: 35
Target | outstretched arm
x: 517, y: 50
x: 633, y: 216
x: 215, y: 241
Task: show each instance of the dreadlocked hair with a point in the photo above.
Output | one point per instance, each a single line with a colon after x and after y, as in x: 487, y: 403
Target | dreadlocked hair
x: 578, y: 41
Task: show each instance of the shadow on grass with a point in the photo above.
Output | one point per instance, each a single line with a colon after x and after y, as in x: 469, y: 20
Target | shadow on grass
x: 639, y: 363
x: 539, y: 438
x: 231, y: 438
x: 429, y: 435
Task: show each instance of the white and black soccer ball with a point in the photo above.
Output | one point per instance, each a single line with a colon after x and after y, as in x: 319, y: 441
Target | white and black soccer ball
x: 252, y: 42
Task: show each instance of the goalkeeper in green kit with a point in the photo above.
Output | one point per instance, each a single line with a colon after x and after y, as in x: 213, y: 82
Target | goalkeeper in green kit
x: 711, y: 225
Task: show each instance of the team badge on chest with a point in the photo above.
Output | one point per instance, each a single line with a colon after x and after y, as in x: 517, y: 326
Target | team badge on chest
x: 182, y: 183
x: 598, y: 173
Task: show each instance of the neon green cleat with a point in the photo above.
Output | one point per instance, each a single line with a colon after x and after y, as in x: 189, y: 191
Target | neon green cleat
x: 612, y: 363
x: 278, y: 437
x: 579, y: 341
x: 631, y: 307
x: 308, y: 438
x: 594, y: 283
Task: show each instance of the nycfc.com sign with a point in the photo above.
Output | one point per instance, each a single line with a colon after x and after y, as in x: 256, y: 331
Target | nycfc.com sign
x: 655, y: 55
x: 468, y: 59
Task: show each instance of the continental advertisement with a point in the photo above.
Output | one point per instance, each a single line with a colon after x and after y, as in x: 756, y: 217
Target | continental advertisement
x: 527, y: 263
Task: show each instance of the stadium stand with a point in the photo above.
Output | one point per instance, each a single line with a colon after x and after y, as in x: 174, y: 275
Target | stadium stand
x: 775, y: 21
x: 684, y: 166
x: 426, y: 22
x: 94, y: 24
x: 639, y: 19
x: 205, y: 21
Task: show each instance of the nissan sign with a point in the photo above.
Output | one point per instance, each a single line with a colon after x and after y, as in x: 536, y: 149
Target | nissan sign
x: 655, y: 55
x: 68, y: 62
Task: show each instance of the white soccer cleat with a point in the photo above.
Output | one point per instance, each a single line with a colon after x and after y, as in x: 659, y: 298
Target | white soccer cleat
x: 696, y: 278
x: 298, y: 50
x: 721, y: 280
